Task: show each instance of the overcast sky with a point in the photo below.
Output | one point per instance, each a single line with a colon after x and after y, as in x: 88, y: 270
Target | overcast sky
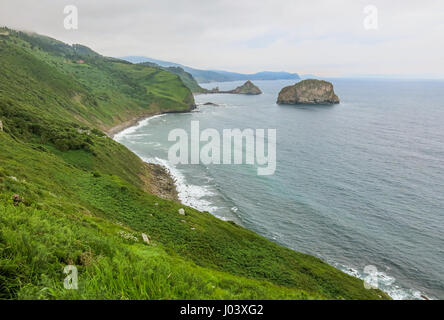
x: 323, y: 37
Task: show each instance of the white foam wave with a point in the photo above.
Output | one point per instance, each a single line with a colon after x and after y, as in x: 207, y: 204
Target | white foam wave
x: 137, y: 135
x: 387, y: 284
x: 131, y: 130
x: 154, y: 144
x: 190, y: 195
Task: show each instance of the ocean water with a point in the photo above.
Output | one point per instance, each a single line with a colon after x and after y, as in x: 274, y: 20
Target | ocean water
x: 359, y: 184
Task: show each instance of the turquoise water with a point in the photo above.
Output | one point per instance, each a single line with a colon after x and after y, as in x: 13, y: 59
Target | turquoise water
x: 357, y: 184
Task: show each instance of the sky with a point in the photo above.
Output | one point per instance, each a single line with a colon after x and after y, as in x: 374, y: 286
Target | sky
x: 322, y: 37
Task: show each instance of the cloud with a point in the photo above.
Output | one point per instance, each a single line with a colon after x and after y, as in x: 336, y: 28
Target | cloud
x: 318, y: 36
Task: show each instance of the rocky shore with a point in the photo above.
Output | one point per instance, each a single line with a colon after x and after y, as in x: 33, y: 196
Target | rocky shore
x: 156, y: 178
x: 161, y: 183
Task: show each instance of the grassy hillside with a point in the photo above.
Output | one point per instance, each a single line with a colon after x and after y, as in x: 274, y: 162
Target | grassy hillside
x: 186, y: 77
x: 77, y: 82
x: 71, y: 195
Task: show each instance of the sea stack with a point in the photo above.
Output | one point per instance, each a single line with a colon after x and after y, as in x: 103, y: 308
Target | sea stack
x: 308, y: 92
x: 247, y: 88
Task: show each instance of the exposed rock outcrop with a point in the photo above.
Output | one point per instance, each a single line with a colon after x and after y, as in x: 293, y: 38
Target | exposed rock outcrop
x: 159, y: 182
x: 16, y: 199
x: 308, y: 92
x: 146, y: 238
x: 247, y: 88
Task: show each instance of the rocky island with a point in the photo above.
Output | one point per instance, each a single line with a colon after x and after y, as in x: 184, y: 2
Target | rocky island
x: 308, y: 92
x: 247, y: 88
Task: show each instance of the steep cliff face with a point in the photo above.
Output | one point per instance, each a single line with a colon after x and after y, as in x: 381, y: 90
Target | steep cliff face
x: 308, y: 92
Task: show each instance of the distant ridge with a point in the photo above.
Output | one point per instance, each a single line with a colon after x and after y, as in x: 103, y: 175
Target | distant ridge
x: 186, y: 77
x: 205, y: 76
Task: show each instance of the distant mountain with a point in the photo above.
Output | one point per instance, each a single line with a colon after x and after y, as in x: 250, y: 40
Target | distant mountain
x: 309, y: 76
x: 139, y: 59
x: 205, y: 76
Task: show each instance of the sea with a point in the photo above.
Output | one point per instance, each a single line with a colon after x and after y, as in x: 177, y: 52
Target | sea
x: 359, y: 184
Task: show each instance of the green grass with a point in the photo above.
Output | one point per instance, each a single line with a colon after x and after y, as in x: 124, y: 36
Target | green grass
x: 110, y: 267
x: 186, y: 77
x: 81, y: 190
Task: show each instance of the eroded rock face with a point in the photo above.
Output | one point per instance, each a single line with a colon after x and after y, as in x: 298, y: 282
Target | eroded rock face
x: 159, y: 182
x: 308, y: 92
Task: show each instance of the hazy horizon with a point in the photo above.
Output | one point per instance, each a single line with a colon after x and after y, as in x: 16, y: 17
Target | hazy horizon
x: 354, y: 76
x: 319, y: 37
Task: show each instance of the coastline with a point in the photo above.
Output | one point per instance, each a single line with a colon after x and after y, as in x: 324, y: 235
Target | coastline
x: 164, y: 175
x: 163, y: 183
x: 111, y: 132
x: 157, y: 178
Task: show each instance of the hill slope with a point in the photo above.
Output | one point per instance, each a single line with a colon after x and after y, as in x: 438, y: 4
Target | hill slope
x: 186, y: 77
x: 69, y: 195
x: 204, y: 76
x: 75, y: 81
